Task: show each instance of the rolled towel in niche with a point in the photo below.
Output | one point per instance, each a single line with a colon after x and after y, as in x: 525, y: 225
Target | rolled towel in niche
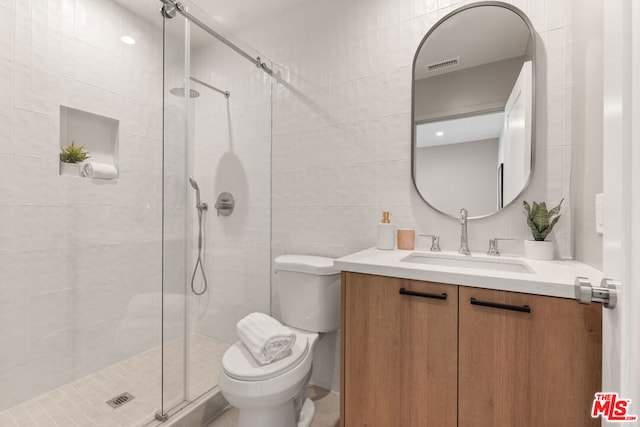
x: 99, y: 170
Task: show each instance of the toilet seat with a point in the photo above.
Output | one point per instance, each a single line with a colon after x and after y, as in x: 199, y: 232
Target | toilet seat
x: 238, y: 363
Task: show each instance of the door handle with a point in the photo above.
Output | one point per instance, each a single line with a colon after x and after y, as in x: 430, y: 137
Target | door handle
x: 520, y: 308
x: 606, y: 293
x: 441, y: 296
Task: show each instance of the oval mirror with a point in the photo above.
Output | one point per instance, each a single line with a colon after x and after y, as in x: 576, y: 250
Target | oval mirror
x: 473, y: 110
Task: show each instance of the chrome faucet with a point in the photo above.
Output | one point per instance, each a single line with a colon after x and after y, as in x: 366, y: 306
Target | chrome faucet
x: 435, y: 242
x: 464, y: 238
x: 493, y: 246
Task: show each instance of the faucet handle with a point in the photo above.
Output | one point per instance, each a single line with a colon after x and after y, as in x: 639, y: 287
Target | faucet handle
x: 493, y: 246
x: 435, y: 242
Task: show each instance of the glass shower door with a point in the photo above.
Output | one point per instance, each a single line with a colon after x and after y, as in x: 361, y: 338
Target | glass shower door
x: 217, y: 145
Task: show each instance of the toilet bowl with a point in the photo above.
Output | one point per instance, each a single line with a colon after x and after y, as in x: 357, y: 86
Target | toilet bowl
x: 274, y: 395
x: 269, y: 395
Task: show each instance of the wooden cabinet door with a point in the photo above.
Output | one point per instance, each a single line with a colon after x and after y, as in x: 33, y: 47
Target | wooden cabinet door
x: 527, y: 369
x: 399, y: 352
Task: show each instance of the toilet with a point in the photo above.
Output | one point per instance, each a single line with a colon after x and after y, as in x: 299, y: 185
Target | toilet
x: 274, y: 395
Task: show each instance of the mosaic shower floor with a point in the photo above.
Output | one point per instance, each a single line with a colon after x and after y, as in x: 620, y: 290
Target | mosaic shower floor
x: 82, y: 402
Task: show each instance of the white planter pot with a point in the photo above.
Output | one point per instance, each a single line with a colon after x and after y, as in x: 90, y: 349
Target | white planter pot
x: 71, y: 169
x: 542, y: 250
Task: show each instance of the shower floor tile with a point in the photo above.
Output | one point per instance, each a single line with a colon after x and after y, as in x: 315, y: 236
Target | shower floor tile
x: 82, y: 402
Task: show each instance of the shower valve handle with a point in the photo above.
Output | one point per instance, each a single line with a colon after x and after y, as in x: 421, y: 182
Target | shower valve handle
x: 225, y: 204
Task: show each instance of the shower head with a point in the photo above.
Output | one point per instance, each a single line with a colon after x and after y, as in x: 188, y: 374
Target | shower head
x: 193, y: 183
x: 179, y: 91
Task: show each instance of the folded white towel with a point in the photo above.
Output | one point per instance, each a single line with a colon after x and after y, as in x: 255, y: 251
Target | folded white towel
x: 100, y: 170
x: 266, y: 338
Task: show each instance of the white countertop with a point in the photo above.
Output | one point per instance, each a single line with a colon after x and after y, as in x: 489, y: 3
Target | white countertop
x: 552, y: 278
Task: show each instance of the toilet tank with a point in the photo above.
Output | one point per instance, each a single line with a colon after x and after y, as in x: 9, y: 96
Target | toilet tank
x: 309, y: 292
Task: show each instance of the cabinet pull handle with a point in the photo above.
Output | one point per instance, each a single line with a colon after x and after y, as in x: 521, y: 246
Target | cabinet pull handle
x: 522, y: 309
x: 403, y: 291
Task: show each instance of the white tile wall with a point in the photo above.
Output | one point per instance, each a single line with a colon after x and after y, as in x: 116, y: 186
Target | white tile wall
x: 341, y: 126
x: 76, y: 257
x: 584, y: 100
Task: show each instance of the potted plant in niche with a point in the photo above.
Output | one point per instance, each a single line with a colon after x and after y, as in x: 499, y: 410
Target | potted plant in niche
x: 71, y: 159
x: 541, y: 222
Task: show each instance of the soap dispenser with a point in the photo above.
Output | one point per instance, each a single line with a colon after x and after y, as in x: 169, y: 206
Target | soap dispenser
x: 386, y: 233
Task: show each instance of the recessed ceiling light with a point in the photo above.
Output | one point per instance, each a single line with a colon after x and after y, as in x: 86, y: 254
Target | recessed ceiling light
x: 439, y: 133
x: 127, y: 40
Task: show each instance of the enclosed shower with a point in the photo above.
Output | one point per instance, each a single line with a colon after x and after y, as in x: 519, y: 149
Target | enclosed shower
x: 118, y: 297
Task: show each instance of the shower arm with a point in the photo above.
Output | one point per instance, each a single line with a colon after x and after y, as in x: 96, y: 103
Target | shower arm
x: 226, y: 93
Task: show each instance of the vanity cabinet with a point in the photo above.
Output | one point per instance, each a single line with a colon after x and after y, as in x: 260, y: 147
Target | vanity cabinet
x: 527, y: 360
x: 399, y: 359
x: 480, y: 357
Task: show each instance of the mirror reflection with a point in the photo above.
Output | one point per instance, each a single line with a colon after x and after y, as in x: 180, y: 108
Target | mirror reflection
x: 473, y: 109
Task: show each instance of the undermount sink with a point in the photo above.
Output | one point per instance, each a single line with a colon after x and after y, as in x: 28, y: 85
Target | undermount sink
x: 499, y: 264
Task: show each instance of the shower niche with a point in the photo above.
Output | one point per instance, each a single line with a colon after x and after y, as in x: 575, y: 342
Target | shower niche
x: 98, y: 135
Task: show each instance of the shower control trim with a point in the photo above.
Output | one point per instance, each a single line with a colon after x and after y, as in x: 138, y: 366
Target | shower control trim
x: 225, y: 204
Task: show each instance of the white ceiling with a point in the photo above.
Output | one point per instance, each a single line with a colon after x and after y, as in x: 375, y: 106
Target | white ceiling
x: 234, y: 14
x: 146, y: 9
x: 465, y: 129
x: 478, y: 35
x: 224, y: 16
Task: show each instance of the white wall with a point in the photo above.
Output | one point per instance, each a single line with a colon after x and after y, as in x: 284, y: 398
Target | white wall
x: 341, y: 127
x: 473, y: 175
x: 79, y: 259
x: 587, y: 129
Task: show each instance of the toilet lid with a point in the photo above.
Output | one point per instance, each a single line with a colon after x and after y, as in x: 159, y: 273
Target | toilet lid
x: 238, y: 362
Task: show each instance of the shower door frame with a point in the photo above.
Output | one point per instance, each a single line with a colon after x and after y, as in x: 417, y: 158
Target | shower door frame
x: 166, y: 410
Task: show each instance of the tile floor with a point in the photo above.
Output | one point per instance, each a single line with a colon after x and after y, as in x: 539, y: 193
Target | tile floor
x: 82, y: 403
x: 327, y: 410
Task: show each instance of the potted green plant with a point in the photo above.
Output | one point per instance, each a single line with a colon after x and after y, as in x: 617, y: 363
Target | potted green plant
x: 71, y: 159
x: 541, y: 221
